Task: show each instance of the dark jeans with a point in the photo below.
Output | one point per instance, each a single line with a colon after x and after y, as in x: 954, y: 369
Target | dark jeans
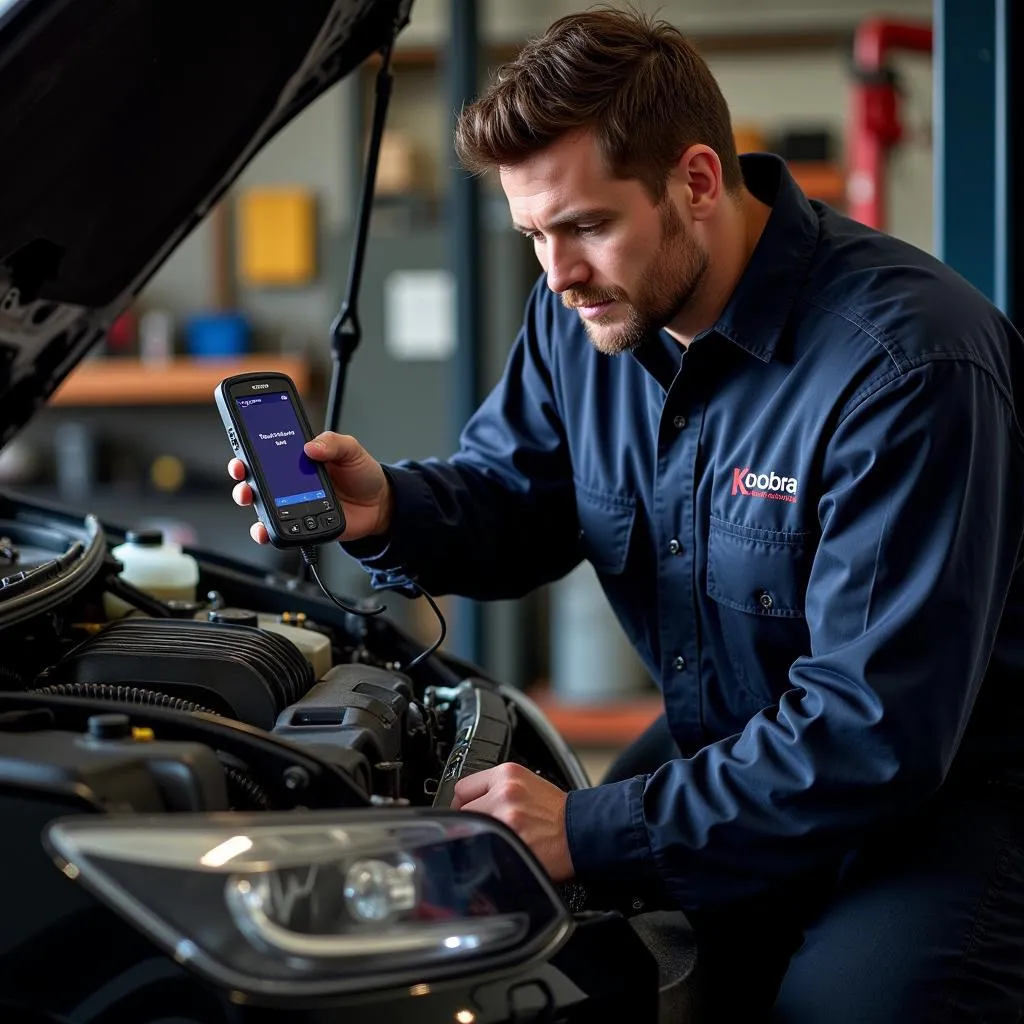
x: 923, y: 923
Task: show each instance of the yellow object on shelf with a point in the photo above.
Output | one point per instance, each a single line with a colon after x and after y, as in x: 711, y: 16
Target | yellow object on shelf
x: 276, y: 236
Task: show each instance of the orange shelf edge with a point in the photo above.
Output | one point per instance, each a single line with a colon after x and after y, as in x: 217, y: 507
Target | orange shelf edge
x: 129, y: 382
x: 824, y: 181
x: 611, y: 723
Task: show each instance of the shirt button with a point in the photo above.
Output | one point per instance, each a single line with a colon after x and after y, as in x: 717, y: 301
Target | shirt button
x: 674, y: 547
x: 766, y: 600
x: 679, y: 422
x: 680, y: 663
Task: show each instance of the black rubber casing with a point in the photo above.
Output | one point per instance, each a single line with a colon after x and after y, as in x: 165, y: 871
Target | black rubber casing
x: 311, y: 523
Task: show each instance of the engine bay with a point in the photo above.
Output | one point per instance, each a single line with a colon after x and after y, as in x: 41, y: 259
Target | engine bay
x: 260, y: 702
x: 300, y: 704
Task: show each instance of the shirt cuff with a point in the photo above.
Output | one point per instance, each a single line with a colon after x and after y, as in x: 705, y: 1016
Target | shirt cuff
x: 395, y: 550
x: 607, y: 835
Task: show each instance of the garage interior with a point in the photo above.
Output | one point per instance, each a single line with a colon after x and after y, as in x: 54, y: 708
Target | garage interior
x: 903, y: 114
x: 874, y: 107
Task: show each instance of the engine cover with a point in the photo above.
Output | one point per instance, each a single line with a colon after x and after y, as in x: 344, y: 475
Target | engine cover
x: 359, y: 707
x: 243, y: 672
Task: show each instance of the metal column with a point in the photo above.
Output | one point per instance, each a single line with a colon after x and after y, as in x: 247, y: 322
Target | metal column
x: 977, y: 142
x: 465, y: 248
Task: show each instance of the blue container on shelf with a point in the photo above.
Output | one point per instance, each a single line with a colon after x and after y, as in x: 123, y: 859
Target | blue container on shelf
x: 217, y: 335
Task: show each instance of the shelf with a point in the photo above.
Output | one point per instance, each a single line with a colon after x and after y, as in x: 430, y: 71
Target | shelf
x: 182, y: 381
x: 605, y: 724
x: 824, y: 181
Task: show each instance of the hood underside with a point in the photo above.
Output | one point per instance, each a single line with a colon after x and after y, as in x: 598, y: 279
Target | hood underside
x: 121, y: 124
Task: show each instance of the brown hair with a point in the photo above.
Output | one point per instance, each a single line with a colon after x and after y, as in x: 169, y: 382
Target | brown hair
x: 637, y: 83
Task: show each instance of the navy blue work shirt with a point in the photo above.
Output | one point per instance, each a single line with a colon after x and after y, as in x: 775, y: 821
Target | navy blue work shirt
x: 809, y: 524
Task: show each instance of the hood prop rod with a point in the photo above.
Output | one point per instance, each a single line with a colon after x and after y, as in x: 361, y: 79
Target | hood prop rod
x: 346, y: 331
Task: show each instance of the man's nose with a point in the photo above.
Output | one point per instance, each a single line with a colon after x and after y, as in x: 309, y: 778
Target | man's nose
x: 565, y: 269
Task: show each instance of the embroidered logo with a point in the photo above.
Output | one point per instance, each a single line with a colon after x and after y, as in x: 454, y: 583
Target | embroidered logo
x: 763, y: 485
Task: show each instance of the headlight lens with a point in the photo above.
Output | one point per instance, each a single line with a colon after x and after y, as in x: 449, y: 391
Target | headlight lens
x: 326, y: 903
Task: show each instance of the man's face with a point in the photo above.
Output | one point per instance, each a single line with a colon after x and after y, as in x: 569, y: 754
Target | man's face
x: 627, y: 265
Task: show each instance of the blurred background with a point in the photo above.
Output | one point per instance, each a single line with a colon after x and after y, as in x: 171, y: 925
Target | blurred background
x: 133, y: 435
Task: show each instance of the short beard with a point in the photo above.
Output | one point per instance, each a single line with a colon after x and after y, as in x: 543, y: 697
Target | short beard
x: 667, y: 286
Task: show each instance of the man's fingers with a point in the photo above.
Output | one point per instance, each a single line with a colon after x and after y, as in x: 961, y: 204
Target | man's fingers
x: 242, y: 494
x: 485, y: 805
x: 331, y: 447
x: 472, y: 787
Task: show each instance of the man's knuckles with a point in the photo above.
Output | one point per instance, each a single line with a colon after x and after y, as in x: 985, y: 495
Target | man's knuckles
x: 509, y: 771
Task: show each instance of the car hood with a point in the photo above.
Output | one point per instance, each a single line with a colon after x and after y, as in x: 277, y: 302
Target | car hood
x: 121, y: 123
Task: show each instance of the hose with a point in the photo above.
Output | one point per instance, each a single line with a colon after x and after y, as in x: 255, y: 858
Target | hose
x: 123, y: 694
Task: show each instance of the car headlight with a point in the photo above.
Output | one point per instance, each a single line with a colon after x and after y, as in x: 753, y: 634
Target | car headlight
x: 328, y: 902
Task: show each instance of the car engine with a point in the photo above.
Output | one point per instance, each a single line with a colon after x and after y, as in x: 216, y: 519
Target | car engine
x: 301, y: 704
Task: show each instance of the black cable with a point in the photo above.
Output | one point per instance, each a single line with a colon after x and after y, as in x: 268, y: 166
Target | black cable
x: 443, y: 631
x: 311, y: 555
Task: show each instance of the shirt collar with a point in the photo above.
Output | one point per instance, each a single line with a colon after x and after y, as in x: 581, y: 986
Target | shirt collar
x: 757, y: 310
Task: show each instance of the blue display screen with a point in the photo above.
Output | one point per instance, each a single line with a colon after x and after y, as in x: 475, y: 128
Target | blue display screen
x: 275, y: 434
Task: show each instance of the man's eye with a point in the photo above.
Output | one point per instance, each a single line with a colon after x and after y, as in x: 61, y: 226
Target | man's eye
x: 587, y: 229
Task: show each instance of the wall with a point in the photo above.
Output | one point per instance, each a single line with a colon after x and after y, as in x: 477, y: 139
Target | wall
x: 771, y: 88
x: 311, y: 151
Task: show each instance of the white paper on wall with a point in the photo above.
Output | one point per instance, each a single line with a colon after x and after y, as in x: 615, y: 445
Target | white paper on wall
x: 419, y: 314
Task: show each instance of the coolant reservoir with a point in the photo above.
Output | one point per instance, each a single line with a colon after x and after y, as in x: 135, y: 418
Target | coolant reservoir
x: 314, y: 646
x: 155, y: 565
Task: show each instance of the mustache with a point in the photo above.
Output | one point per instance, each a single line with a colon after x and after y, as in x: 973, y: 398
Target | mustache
x: 574, y: 298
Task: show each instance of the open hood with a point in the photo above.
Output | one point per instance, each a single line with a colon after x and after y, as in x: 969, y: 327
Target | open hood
x: 121, y: 124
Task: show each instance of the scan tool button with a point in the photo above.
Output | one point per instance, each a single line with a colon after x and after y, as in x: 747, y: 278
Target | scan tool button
x: 329, y: 520
x: 294, y: 528
x: 310, y: 523
x: 284, y: 513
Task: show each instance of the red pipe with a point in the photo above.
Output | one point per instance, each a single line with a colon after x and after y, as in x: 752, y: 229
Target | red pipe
x: 874, y: 125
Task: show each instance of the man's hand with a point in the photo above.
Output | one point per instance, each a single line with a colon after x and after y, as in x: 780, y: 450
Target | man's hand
x: 531, y: 806
x: 358, y: 479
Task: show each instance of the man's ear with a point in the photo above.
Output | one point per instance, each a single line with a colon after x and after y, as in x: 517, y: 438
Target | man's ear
x: 697, y: 179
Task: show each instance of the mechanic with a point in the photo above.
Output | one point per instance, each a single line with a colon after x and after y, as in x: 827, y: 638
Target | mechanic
x: 791, y: 447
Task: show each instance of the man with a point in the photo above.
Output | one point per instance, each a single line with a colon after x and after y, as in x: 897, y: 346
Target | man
x: 791, y: 447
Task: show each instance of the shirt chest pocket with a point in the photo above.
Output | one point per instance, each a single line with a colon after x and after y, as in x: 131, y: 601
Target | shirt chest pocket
x: 762, y: 572
x: 606, y: 524
x: 757, y: 582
